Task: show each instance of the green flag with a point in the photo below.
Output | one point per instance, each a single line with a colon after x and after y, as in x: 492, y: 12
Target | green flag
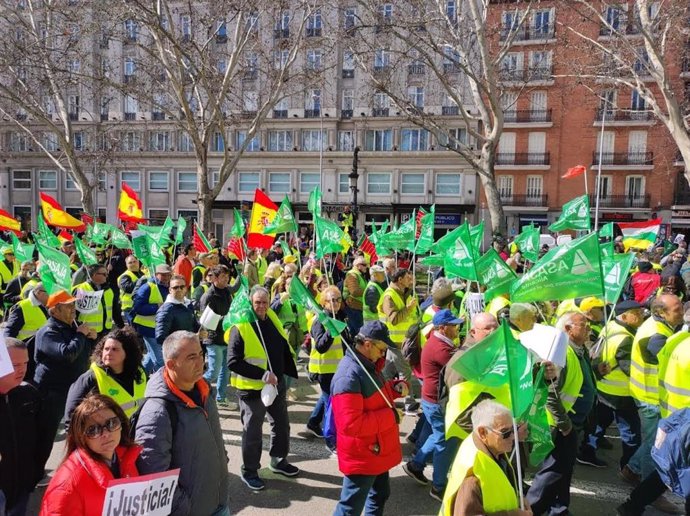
x: 284, y: 220
x: 86, y: 255
x: 447, y: 241
x: 54, y: 269
x: 435, y: 260
x: 377, y: 238
x: 519, y: 364
x: 157, y: 257
x: 565, y: 272
x: 460, y: 261
x: 607, y: 249
x: 285, y: 247
x: 301, y: 296
x: 100, y: 233
x: 402, y: 238
x: 119, y: 239
x: 476, y: 236
x: 23, y: 252
x: 237, y: 230
x: 575, y: 215
x: 528, y: 243
x: 140, y: 248
x: 426, y: 235
x: 45, y: 234
x: 179, y: 231
x: 539, y: 431
x: 615, y: 270
x: 328, y: 236
x: 495, y: 274
x: 241, y: 310
x: 669, y: 247
x: 160, y: 234
x: 606, y: 231
x: 314, y: 203
x: 485, y: 362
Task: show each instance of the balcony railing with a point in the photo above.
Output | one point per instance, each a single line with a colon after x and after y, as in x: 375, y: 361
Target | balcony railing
x: 620, y: 201
x: 450, y: 110
x: 281, y: 33
x: 130, y: 116
x: 533, y: 73
x: 280, y: 113
x: 380, y: 112
x: 346, y: 113
x: 312, y: 113
x: 416, y: 69
x: 523, y: 158
x: 624, y: 158
x: 624, y: 115
x: 157, y: 115
x: 525, y: 200
x: 523, y: 116
x: 313, y: 32
x: 529, y: 33
x: 348, y: 74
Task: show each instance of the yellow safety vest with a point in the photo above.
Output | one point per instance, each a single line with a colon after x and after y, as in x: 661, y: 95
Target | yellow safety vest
x: 203, y: 274
x: 570, y: 390
x: 28, y: 286
x: 254, y: 353
x: 496, y: 305
x: 674, y: 370
x: 108, y: 386
x: 567, y: 306
x: 100, y: 319
x: 261, y: 266
x: 460, y: 398
x: 34, y: 319
x: 498, y: 494
x: 155, y: 298
x: 368, y: 314
x: 644, y: 377
x: 396, y: 331
x: 325, y: 363
x: 360, y: 280
x: 127, y: 300
x: 428, y: 314
x: 616, y: 383
x: 6, y: 274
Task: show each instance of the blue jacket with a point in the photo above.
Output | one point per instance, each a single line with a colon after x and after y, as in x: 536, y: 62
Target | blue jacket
x: 173, y: 317
x: 62, y: 355
x: 141, y: 306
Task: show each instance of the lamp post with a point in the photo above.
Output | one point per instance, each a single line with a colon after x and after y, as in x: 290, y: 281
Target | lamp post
x: 354, y: 177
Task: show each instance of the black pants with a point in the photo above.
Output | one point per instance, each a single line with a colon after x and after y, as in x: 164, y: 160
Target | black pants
x: 52, y: 411
x: 550, y: 490
x: 252, y: 413
x: 646, y: 493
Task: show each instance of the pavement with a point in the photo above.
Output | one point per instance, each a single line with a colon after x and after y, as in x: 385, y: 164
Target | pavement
x: 315, y: 492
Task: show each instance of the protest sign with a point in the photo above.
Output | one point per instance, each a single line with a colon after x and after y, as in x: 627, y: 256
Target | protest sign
x: 6, y: 366
x: 148, y: 495
x: 88, y: 301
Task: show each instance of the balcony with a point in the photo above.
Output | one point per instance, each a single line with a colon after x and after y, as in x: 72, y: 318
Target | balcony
x: 75, y: 116
x: 529, y: 34
x: 526, y: 116
x: 451, y: 68
x: 281, y: 33
x: 380, y: 112
x: 416, y: 69
x: 312, y: 113
x: 523, y: 158
x: 450, y: 110
x: 280, y: 113
x: 250, y: 74
x: 104, y: 117
x: 247, y: 114
x: 348, y: 74
x: 624, y: 158
x: 313, y: 32
x: 620, y: 201
x: 346, y: 114
x: 539, y: 73
x: 525, y: 200
x: 624, y: 115
x: 157, y: 115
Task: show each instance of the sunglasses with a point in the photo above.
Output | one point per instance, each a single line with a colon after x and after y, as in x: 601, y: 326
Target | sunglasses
x: 111, y: 425
x: 505, y: 434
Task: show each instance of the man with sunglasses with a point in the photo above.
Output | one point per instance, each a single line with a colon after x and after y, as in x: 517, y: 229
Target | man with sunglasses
x: 177, y: 313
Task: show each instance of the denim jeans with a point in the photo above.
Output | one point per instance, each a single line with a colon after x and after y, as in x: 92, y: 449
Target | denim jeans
x: 363, y: 492
x: 628, y: 422
x: 216, y: 357
x: 436, y: 446
x: 649, y: 420
x: 153, y: 360
x: 19, y: 507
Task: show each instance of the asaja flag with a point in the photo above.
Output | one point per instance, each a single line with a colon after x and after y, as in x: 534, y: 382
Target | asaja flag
x: 23, y: 252
x: 120, y: 240
x: 401, y: 238
x: 538, y: 429
x: 565, y: 272
x: 574, y: 172
x: 615, y: 270
x: 606, y: 231
x: 575, y: 215
x: 54, y: 269
x: 476, y: 236
x: 263, y: 212
x: 329, y: 237
x: 528, y: 243
x: 86, y: 255
x: 639, y: 235
x: 200, y: 242
x: 179, y: 230
x: 314, y: 203
x: 8, y: 222
x: 56, y: 216
x: 301, y: 295
x: 129, y: 208
x: 459, y: 261
x: 45, y: 234
x: 284, y: 220
x: 241, y: 310
x: 237, y: 230
x: 425, y: 238
x: 495, y: 274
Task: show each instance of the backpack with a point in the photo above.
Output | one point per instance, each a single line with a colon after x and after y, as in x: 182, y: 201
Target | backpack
x: 169, y: 408
x: 671, y: 452
x: 411, y: 349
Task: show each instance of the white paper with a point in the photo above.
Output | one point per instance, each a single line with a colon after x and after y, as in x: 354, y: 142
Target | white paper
x: 148, y: 495
x: 547, y: 342
x: 6, y: 366
x: 210, y: 319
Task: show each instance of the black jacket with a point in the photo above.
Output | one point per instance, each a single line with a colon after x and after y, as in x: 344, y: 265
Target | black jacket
x: 219, y: 301
x: 62, y: 354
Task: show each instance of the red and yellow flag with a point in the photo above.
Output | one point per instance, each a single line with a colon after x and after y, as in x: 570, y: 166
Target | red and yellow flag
x: 129, y: 208
x: 56, y: 216
x: 263, y: 212
x: 8, y: 222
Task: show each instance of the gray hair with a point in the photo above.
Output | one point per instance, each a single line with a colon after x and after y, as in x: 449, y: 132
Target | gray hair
x: 29, y: 262
x: 256, y: 289
x: 173, y: 342
x: 13, y: 343
x: 519, y: 310
x: 486, y: 412
x: 566, y: 319
x: 441, y: 283
x: 389, y: 262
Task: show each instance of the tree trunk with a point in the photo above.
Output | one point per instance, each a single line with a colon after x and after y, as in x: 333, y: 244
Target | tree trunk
x: 204, y: 197
x: 87, y: 204
x: 493, y: 197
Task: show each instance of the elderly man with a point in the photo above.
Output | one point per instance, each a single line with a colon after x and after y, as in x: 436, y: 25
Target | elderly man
x: 372, y: 293
x: 107, y: 312
x: 178, y: 427
x: 389, y: 267
x: 259, y: 354
x: 353, y: 289
x: 29, y: 315
x: 481, y: 480
x: 127, y: 283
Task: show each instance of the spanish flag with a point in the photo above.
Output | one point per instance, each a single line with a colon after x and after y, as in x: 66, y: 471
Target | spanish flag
x: 263, y: 212
x: 8, y: 222
x: 129, y: 208
x: 55, y: 215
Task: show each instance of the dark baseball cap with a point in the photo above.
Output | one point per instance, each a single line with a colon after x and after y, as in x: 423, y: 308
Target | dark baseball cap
x: 376, y: 330
x: 445, y: 317
x: 624, y: 306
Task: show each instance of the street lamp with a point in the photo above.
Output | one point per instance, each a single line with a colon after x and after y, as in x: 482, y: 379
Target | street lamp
x: 354, y: 177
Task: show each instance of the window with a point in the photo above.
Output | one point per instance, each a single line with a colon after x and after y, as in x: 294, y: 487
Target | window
x: 218, y: 142
x: 47, y: 180
x: 534, y: 187
x: 73, y: 66
x: 282, y: 28
x: 378, y: 140
x: 540, y: 65
x: 279, y: 141
x: 131, y: 141
x: 69, y: 182
x: 73, y: 106
x: 412, y: 184
x: 637, y: 146
x: 131, y: 30
x: 386, y: 12
x: 350, y: 18
x: 132, y: 178
x: 21, y: 180
x: 222, y: 31
x: 252, y: 23
x: 414, y: 140
x: 186, y: 27
x: 280, y: 59
x: 160, y: 141
x: 511, y: 22
x: 131, y: 106
x: 19, y: 142
x: 312, y: 100
x: 448, y: 184
x: 50, y: 142
x: 379, y: 183
x: 158, y: 180
x: 541, y: 24
x: 253, y: 146
x: 637, y: 102
x: 382, y: 59
x: 641, y: 65
x: 452, y: 11
x: 101, y: 175
x: 381, y: 100
x: 415, y: 95
x: 511, y: 66
x: 614, y: 17
x: 314, y: 59
x: 129, y: 68
x: 279, y: 182
x: 308, y: 181
x: 186, y: 182
x: 157, y: 217
x: 505, y: 186
x: 605, y: 187
x: 348, y: 103
x: 453, y: 138
x: 346, y: 141
x: 343, y: 183
x: 312, y: 140
x: 185, y: 143
x: 79, y: 140
x: 536, y: 143
x: 348, y: 65
x: 634, y: 186
x: 247, y: 182
x: 314, y: 24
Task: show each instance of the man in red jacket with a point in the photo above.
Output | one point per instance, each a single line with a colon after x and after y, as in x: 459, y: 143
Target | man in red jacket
x: 644, y: 283
x: 366, y: 422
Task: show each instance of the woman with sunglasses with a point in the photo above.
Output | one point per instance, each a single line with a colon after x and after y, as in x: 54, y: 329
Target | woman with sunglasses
x: 99, y: 450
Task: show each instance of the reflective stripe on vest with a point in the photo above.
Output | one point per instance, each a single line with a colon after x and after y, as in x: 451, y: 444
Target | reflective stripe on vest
x: 325, y: 363
x: 644, y: 377
x: 34, y: 318
x: 570, y: 390
x: 615, y: 383
x: 396, y: 331
x: 98, y: 320
x: 461, y: 396
x: 674, y: 371
x: 155, y: 298
x: 127, y: 300
x: 498, y: 494
x: 108, y: 386
x: 368, y: 314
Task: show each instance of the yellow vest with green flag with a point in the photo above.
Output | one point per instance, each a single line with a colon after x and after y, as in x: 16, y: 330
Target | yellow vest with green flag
x: 34, y: 319
x: 462, y: 395
x: 570, y: 390
x: 616, y: 383
x: 674, y: 371
x: 396, y: 331
x: 101, y: 319
x: 155, y: 298
x: 325, y: 363
x: 368, y: 314
x: 254, y: 353
x: 498, y: 494
x: 360, y: 280
x: 644, y: 377
x: 108, y: 386
x: 6, y: 274
x: 127, y: 300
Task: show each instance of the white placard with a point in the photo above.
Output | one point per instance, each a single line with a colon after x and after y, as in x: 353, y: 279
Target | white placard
x: 148, y: 495
x: 210, y: 319
x: 6, y: 366
x: 88, y: 302
x: 547, y: 342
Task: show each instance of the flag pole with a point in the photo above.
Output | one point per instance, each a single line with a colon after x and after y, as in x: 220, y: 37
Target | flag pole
x: 354, y: 354
x: 601, y: 158
x: 516, y: 441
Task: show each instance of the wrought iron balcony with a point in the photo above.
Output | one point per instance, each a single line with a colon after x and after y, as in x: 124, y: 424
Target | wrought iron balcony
x: 450, y: 110
x: 157, y: 115
x: 380, y: 112
x: 523, y: 116
x: 346, y: 113
x: 523, y: 158
x: 624, y: 115
x: 624, y: 158
x: 620, y: 201
x: 312, y: 113
x: 280, y: 113
x: 525, y: 200
x: 416, y: 69
x: 529, y: 33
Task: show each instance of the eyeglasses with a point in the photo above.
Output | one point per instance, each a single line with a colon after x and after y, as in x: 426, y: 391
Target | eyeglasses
x: 9, y: 254
x: 505, y: 434
x: 336, y: 300
x: 111, y: 425
x: 178, y: 287
x: 37, y: 291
